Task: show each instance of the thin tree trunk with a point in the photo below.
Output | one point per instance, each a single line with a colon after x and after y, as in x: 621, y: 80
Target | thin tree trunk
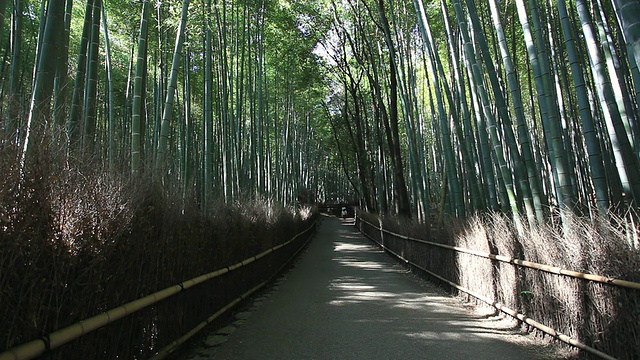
x: 208, y: 109
x: 393, y: 138
x: 15, y: 103
x: 138, y: 91
x: 90, y: 108
x: 625, y: 159
x: 110, y: 120
x: 629, y: 13
x: 79, y: 82
x: 61, y: 90
x: 598, y: 173
x: 40, y: 108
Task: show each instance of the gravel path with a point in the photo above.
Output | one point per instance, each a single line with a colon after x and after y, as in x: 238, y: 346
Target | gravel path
x: 346, y: 299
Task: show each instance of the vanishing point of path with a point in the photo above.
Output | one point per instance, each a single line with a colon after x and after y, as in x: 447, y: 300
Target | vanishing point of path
x: 346, y: 299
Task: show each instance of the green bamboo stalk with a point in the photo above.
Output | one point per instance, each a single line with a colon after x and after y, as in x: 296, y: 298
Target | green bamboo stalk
x: 521, y: 173
x: 626, y: 22
x: 15, y: 107
x: 548, y: 107
x: 596, y: 165
x: 518, y: 107
x: 79, y: 82
x: 185, y: 128
x: 498, y: 151
x: 261, y: 158
x: 110, y: 116
x: 625, y: 159
x: 62, y: 79
x: 452, y: 175
x: 628, y: 12
x: 400, y: 188
x: 481, y: 155
x: 167, y: 115
x: 91, y: 90
x: 628, y: 112
x: 138, y: 91
x: 40, y: 107
x: 208, y: 108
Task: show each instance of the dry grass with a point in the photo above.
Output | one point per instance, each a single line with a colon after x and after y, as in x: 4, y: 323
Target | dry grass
x: 75, y: 241
x: 599, y: 315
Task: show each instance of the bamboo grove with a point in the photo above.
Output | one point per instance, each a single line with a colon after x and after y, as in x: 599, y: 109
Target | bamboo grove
x: 452, y: 106
x: 217, y: 96
x: 525, y: 107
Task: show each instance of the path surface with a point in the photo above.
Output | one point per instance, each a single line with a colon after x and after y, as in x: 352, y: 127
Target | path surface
x: 346, y: 299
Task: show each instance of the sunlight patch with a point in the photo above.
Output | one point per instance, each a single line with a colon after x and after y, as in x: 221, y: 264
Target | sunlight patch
x: 347, y: 287
x: 342, y: 302
x: 369, y: 295
x: 340, y: 246
x: 362, y: 264
x: 432, y: 335
x: 409, y: 305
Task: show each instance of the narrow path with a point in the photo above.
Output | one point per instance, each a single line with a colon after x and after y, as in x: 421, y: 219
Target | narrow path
x: 346, y: 299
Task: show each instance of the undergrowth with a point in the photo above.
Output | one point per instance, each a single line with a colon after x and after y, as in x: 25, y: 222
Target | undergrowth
x: 600, y: 315
x: 76, y: 241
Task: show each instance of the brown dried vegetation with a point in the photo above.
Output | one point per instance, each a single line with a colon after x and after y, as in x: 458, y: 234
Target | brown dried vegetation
x: 600, y: 315
x: 75, y: 242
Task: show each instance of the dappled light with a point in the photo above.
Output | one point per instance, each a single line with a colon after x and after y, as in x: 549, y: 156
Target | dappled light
x: 346, y: 299
x: 494, y: 145
x: 348, y: 247
x: 348, y: 221
x: 532, y: 270
x: 441, y: 336
x: 365, y: 265
x: 370, y: 279
x: 346, y: 285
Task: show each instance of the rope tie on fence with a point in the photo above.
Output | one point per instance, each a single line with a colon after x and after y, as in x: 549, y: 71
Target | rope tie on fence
x: 47, y: 342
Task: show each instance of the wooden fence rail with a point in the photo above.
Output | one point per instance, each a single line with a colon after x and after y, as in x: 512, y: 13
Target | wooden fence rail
x: 516, y: 262
x: 60, y: 337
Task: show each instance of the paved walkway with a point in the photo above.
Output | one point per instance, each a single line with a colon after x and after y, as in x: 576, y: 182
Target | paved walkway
x: 346, y: 299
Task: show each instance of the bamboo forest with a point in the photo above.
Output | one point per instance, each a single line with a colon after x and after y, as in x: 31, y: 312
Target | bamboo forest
x: 529, y: 109
x: 214, y: 129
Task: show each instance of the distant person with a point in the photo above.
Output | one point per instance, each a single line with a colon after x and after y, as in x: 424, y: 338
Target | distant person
x: 344, y: 212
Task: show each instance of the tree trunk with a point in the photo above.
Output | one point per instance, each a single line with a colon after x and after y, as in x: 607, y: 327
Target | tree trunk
x: 391, y: 125
x: 40, y: 108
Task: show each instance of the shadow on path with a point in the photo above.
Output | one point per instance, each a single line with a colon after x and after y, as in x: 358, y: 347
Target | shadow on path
x: 346, y: 299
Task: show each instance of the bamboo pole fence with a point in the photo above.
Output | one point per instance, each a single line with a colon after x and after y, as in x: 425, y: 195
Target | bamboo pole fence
x: 518, y: 262
x: 60, y: 337
x: 166, y: 351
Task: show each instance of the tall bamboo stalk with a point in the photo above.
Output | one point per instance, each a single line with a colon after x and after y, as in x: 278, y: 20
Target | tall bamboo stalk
x: 138, y: 91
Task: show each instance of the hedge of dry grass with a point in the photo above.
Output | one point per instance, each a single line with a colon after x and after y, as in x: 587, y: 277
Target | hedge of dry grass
x: 599, y: 315
x: 75, y: 242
